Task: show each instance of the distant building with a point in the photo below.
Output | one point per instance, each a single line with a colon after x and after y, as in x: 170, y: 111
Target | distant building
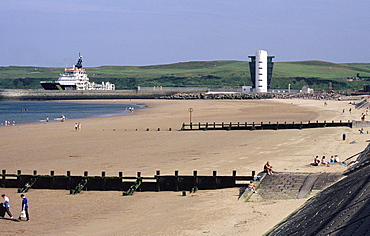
x: 261, y: 67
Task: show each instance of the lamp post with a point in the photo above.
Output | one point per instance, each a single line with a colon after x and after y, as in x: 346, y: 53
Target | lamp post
x: 190, y: 111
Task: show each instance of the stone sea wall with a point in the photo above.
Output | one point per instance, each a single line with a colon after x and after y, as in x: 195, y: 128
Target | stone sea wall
x: 40, y: 94
x: 250, y: 96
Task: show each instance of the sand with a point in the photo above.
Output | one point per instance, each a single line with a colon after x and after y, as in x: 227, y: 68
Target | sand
x: 115, y: 144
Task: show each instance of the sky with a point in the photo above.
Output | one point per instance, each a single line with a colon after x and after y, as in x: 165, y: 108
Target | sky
x: 51, y: 33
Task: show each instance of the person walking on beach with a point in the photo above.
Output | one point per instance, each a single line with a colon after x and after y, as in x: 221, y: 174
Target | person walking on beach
x: 25, y: 207
x: 6, y: 205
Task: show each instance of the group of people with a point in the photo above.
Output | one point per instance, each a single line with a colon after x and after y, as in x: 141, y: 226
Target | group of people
x: 6, y: 205
x: 266, y: 168
x: 77, y: 126
x: 7, y: 123
x: 130, y: 109
x: 324, y: 161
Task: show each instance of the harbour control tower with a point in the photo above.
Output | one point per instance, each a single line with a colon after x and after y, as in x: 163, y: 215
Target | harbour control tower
x: 261, y: 67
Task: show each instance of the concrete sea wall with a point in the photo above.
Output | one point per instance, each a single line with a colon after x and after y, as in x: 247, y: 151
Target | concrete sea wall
x: 40, y: 94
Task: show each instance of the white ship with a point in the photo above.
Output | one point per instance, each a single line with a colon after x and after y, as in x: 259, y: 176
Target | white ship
x: 75, y: 78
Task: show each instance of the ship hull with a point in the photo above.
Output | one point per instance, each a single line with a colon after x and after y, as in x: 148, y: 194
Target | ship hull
x: 57, y: 86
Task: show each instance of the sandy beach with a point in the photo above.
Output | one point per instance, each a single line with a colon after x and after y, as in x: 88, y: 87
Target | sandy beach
x: 115, y: 144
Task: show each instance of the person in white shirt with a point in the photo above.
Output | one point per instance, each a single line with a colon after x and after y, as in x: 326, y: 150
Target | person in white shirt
x: 6, y: 205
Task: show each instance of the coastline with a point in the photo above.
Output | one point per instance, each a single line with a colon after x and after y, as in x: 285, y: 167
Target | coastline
x: 29, y: 112
x: 114, y: 144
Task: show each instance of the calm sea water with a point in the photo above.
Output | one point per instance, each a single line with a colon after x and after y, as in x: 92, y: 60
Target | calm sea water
x: 26, y: 112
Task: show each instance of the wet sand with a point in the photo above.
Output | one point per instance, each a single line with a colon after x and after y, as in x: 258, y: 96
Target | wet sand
x: 115, y: 144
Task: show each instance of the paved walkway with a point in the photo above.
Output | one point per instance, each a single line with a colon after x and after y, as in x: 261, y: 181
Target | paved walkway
x: 290, y: 185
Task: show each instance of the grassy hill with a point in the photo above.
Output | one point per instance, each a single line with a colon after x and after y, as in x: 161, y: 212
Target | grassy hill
x: 317, y: 74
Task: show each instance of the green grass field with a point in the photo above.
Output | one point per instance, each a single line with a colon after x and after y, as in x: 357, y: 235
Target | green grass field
x: 317, y: 74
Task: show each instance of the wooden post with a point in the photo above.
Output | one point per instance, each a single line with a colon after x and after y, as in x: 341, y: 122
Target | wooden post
x: 234, y: 173
x: 3, y: 177
x: 157, y: 174
x: 69, y: 180
x: 19, y: 178
x: 34, y: 172
x: 215, y: 179
x: 86, y: 173
x: 176, y: 180
x: 104, y: 180
x: 138, y: 174
x: 195, y: 183
x: 52, y: 179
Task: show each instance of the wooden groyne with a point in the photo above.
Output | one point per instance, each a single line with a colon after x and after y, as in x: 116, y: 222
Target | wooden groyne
x: 263, y: 126
x: 126, y: 184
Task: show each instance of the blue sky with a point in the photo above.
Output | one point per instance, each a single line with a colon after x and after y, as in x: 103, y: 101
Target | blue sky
x: 143, y: 32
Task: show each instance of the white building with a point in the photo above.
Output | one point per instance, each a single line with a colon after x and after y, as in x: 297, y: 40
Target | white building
x: 261, y: 66
x: 261, y: 71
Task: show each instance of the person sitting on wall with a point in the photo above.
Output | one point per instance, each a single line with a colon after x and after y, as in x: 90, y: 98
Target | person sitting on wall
x: 251, y: 187
x: 268, y: 168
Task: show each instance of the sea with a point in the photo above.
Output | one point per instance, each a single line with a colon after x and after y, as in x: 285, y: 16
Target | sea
x: 28, y: 112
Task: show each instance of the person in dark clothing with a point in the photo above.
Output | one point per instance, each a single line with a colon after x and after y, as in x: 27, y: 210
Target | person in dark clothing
x: 25, y: 206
